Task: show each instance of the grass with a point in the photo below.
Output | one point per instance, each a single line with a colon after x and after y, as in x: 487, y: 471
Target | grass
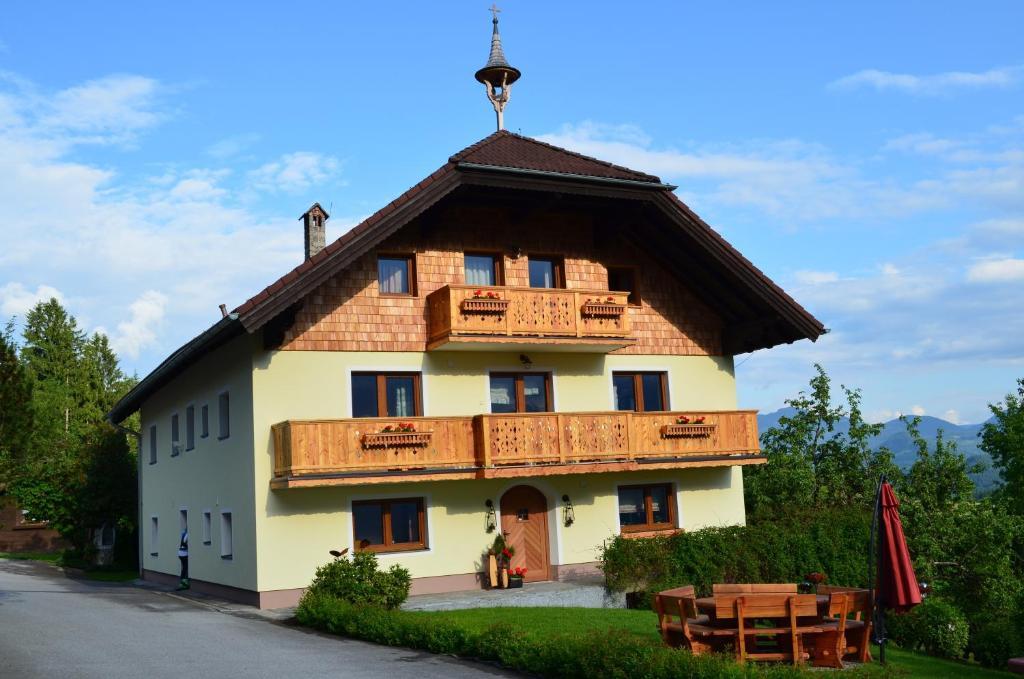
x: 541, y: 622
x: 31, y: 556
x: 97, y: 573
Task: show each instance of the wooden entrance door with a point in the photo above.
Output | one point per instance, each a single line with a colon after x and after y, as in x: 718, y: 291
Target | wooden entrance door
x: 524, y: 522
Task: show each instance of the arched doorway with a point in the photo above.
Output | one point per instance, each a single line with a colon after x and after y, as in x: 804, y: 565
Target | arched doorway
x: 524, y: 522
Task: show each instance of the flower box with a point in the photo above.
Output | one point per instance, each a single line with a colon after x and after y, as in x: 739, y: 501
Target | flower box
x: 605, y: 309
x: 396, y: 439
x: 515, y: 582
x: 687, y: 431
x: 482, y: 305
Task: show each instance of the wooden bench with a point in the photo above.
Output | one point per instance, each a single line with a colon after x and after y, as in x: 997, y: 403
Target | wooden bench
x: 679, y: 622
x: 785, y: 632
x: 847, y: 630
x: 754, y: 588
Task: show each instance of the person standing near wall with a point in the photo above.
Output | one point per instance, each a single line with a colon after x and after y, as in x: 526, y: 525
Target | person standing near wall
x: 183, y: 557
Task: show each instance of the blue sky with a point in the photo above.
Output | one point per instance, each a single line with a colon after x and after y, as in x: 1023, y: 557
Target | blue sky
x: 867, y: 156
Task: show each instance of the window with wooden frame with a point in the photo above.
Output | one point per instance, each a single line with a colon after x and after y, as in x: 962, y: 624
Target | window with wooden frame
x: 521, y: 393
x: 624, y: 279
x: 389, y: 525
x: 396, y: 275
x: 391, y: 394
x: 546, y: 272
x: 646, y: 508
x: 641, y: 392
x: 483, y: 269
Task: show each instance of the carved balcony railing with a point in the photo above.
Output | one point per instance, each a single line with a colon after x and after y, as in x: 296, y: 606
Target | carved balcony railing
x: 336, y: 452
x: 460, y: 316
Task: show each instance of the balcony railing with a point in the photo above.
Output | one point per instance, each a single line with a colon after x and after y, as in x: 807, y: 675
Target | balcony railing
x: 460, y: 315
x: 329, y: 452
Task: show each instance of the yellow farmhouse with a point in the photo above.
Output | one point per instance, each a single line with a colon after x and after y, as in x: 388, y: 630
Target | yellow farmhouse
x: 528, y: 341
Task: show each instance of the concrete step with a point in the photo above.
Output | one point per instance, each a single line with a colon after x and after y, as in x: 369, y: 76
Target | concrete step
x: 557, y: 594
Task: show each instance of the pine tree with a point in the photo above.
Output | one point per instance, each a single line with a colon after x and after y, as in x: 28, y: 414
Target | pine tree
x: 15, y: 407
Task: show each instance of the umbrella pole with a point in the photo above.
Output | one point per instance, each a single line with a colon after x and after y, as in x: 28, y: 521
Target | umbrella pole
x: 874, y: 571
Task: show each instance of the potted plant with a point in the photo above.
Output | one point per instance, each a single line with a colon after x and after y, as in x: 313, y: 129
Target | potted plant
x: 499, y: 557
x: 515, y: 577
x: 812, y: 580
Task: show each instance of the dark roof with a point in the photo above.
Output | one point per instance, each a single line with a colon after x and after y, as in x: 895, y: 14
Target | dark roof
x: 502, y: 152
x: 505, y: 149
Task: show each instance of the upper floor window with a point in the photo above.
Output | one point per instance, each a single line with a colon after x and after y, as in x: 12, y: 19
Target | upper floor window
x: 386, y: 395
x: 224, y: 415
x: 152, y: 444
x: 483, y: 270
x: 640, y: 391
x: 204, y: 421
x: 395, y: 275
x: 623, y: 279
x: 520, y: 392
x: 175, y: 440
x: 546, y: 272
x: 190, y: 428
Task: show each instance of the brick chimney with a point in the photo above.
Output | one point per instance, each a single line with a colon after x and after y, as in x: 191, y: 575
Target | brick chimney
x: 314, y: 225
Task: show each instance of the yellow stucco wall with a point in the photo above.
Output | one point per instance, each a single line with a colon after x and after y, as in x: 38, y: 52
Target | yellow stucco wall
x: 217, y: 475
x: 297, y: 527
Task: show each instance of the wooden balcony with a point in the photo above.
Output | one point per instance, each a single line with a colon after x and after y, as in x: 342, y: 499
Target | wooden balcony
x: 471, y: 317
x: 356, y: 451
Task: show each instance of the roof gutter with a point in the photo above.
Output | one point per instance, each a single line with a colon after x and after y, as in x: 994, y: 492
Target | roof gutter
x: 614, y: 181
x: 226, y: 328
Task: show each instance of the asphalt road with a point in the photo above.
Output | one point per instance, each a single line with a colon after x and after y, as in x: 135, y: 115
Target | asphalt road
x: 53, y: 626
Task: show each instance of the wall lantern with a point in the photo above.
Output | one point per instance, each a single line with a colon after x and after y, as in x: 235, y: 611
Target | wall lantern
x: 525, y: 360
x: 490, y: 520
x: 568, y: 514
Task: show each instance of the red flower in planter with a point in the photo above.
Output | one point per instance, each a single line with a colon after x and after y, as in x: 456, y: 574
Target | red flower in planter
x: 699, y: 420
x: 492, y: 295
x: 387, y: 429
x: 478, y: 293
x: 682, y: 419
x: 610, y: 298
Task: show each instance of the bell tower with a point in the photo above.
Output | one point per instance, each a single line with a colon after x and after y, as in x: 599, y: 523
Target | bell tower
x: 498, y: 75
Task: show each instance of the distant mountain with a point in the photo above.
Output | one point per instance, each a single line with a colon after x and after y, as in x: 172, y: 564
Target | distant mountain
x: 894, y: 437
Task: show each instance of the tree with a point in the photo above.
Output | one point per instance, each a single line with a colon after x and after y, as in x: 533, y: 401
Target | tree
x: 1003, y: 439
x: 15, y: 407
x: 812, y: 461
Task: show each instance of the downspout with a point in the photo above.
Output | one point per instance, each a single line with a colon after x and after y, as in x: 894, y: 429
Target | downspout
x: 138, y: 488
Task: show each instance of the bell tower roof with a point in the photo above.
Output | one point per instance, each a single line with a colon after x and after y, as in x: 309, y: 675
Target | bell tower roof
x: 497, y: 75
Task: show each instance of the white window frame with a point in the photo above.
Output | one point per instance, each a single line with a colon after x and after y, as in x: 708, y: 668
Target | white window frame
x: 175, y: 435
x: 227, y: 535
x: 182, y: 520
x: 223, y: 415
x: 207, y: 527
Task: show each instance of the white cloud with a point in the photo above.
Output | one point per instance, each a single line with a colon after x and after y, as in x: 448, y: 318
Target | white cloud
x: 934, y: 84
x: 1001, y: 270
x: 917, y: 410
x: 294, y: 172
x: 953, y: 416
x: 140, y: 330
x: 16, y: 300
x: 232, y: 146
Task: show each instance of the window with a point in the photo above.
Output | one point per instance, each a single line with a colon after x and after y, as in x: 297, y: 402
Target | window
x: 204, y: 421
x: 207, y: 527
x: 389, y: 525
x: 520, y: 392
x: 623, y: 279
x: 175, y: 440
x: 190, y: 428
x: 546, y: 272
x: 642, y: 392
x: 643, y: 508
x: 152, y: 444
x: 386, y: 395
x: 483, y: 270
x: 395, y: 275
x: 224, y: 416
x: 182, y: 520
x: 226, y: 546
x: 154, y: 535
x: 107, y: 535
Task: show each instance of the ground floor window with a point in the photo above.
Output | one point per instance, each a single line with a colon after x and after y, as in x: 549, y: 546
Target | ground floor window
x: 154, y: 535
x: 650, y: 507
x: 227, y: 548
x: 389, y: 525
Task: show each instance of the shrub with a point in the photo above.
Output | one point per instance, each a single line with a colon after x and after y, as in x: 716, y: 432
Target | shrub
x: 937, y: 627
x: 358, y: 580
x: 567, y: 655
x: 777, y: 550
x: 996, y: 641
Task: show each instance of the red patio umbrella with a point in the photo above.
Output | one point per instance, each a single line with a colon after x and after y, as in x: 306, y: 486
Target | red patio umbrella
x: 896, y: 587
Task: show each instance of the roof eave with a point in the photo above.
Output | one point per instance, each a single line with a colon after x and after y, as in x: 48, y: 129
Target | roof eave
x: 547, y: 174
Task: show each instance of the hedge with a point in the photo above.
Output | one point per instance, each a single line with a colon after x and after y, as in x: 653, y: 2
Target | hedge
x: 569, y: 655
x: 780, y: 550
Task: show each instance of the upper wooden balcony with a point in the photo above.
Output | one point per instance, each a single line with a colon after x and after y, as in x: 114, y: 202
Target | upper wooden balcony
x: 356, y: 451
x: 503, y: 318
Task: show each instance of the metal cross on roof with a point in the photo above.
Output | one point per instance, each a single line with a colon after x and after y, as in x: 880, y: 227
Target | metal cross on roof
x: 494, y: 10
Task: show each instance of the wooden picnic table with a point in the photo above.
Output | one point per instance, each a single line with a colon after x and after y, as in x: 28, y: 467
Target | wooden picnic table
x: 706, y: 605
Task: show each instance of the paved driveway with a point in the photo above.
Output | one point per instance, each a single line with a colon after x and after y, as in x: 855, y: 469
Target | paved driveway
x: 52, y: 626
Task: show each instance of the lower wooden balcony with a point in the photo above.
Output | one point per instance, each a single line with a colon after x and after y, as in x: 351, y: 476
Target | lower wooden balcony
x: 359, y: 451
x: 475, y: 318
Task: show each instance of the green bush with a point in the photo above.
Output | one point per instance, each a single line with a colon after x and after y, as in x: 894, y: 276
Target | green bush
x: 358, y: 580
x: 937, y: 627
x: 778, y: 550
x: 579, y: 655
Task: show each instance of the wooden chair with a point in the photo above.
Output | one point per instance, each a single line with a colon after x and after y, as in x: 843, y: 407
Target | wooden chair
x: 681, y: 625
x: 754, y: 588
x: 785, y: 630
x: 847, y: 631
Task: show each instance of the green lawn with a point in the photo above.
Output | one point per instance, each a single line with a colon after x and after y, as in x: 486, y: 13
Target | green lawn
x: 543, y: 621
x: 31, y: 556
x: 100, y: 573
